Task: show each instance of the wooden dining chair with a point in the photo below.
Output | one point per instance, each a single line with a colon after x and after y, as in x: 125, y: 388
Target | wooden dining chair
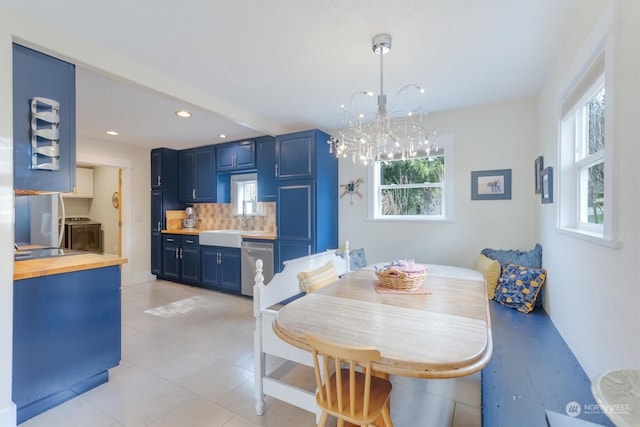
x: 345, y: 392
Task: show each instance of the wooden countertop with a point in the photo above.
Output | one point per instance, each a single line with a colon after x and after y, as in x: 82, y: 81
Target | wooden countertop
x: 246, y: 235
x: 63, y: 264
x: 187, y: 232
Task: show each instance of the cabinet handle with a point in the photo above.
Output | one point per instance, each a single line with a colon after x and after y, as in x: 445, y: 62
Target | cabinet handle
x: 180, y: 253
x: 276, y: 170
x: 159, y: 225
x: 193, y: 194
x: 219, y: 258
x: 170, y: 240
x: 189, y: 241
x: 159, y: 180
x: 176, y: 253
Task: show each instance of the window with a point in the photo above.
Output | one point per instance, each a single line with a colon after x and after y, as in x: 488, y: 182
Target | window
x: 244, y: 195
x: 419, y: 188
x: 585, y: 205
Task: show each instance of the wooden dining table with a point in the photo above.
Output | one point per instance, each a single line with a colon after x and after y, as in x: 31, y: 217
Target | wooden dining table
x: 445, y: 333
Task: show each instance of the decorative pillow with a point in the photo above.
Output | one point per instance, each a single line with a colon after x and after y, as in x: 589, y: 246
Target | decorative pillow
x: 357, y: 258
x: 313, y: 280
x: 490, y: 268
x: 518, y: 287
x: 532, y: 258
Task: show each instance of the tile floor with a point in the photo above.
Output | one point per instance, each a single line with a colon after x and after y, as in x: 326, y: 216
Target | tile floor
x: 188, y: 362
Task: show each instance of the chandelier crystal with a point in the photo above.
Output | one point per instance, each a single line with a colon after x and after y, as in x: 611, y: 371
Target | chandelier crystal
x: 387, y: 133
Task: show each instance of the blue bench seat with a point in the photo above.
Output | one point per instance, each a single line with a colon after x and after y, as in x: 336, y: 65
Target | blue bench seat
x: 532, y: 370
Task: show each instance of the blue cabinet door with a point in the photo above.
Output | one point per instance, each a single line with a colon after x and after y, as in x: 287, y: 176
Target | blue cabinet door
x: 267, y: 188
x: 190, y: 258
x: 295, y: 155
x: 156, y: 253
x: 230, y: 271
x: 205, y: 175
x: 197, y: 175
x: 209, y: 260
x: 245, y: 155
x: 171, y: 256
x: 39, y: 75
x: 295, y: 220
x: 187, y: 176
x: 295, y: 217
x: 225, y: 154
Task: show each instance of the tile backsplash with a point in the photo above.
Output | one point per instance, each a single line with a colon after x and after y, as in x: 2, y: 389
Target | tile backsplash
x: 215, y: 216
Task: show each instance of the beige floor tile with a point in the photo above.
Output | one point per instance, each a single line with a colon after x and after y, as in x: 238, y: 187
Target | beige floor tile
x: 466, y: 416
x: 195, y: 412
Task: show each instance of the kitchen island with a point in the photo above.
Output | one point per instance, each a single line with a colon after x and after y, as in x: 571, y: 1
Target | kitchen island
x: 66, y: 328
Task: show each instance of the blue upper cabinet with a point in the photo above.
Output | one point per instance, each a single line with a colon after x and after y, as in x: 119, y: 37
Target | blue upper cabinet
x: 295, y: 155
x: 44, y: 122
x: 235, y: 156
x: 197, y: 175
x: 266, y: 161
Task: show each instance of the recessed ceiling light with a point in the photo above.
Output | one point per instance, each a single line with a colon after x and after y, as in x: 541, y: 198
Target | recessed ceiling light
x: 183, y: 113
x: 222, y: 135
x: 112, y: 133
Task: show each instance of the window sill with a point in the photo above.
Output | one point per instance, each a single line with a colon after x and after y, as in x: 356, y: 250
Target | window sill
x: 591, y: 237
x: 410, y: 219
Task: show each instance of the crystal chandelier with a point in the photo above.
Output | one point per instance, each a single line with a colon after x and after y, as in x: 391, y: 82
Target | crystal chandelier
x: 388, y: 133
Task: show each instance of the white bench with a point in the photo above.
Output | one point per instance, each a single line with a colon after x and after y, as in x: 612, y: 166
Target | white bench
x: 268, y: 347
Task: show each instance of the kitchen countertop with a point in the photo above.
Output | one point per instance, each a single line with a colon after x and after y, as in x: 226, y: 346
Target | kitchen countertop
x: 63, y: 264
x: 247, y: 234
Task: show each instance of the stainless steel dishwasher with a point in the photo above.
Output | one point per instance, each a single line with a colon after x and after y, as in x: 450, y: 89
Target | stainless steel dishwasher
x: 250, y: 253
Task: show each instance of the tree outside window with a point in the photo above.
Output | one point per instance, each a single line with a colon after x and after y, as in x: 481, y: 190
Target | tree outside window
x: 413, y: 187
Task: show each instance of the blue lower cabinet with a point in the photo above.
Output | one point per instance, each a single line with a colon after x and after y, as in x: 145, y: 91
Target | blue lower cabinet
x: 66, y: 335
x: 181, y: 258
x: 221, y: 268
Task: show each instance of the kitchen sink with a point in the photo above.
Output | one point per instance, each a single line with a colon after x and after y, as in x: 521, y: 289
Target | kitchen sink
x: 228, y: 238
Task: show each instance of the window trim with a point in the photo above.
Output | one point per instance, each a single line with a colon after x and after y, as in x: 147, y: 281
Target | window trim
x: 445, y: 143
x: 600, y: 47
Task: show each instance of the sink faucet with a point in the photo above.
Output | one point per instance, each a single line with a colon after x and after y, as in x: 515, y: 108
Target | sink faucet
x: 244, y: 215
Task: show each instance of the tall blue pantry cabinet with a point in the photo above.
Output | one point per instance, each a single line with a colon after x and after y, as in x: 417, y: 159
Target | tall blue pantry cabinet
x: 307, y: 195
x: 44, y: 122
x: 164, y: 196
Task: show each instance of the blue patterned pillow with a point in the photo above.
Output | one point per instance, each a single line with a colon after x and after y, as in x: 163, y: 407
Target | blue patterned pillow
x: 519, y: 286
x: 532, y: 258
x: 358, y: 259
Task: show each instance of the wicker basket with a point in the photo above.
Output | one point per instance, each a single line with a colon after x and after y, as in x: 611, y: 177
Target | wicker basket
x: 393, y: 278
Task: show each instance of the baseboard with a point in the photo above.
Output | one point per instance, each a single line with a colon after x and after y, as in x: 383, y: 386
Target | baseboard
x: 8, y: 416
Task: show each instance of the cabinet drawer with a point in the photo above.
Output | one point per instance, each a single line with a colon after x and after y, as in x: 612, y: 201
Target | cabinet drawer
x: 191, y: 241
x: 171, y: 239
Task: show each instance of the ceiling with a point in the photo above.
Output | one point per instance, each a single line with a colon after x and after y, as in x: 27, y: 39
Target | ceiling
x: 281, y: 66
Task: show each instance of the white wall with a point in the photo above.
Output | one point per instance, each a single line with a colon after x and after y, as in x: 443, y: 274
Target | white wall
x: 7, y: 407
x: 593, y: 291
x: 500, y: 136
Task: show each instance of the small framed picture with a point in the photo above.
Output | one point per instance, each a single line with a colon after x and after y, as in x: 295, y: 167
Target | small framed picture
x: 546, y: 185
x: 491, y: 185
x: 538, y: 166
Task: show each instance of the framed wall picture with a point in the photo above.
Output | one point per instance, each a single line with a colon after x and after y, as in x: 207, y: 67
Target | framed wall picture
x: 546, y: 184
x: 491, y: 185
x: 538, y: 165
